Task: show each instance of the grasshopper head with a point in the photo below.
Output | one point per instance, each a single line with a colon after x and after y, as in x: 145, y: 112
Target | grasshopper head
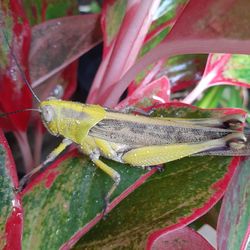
x: 49, y: 115
x: 72, y: 120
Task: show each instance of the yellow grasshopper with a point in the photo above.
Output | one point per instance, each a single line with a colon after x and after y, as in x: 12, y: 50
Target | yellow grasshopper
x: 138, y: 140
x: 132, y: 139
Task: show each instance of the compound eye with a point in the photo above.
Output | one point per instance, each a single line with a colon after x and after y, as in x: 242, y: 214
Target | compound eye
x: 48, y: 113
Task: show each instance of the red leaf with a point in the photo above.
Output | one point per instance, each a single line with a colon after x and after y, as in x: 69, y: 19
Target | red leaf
x: 184, y: 239
x: 203, y: 27
x: 125, y: 47
x: 11, y: 218
x: 59, y: 42
x: 156, y: 92
x: 14, y: 93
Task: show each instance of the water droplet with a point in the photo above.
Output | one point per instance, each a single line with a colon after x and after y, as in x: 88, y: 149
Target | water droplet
x: 13, y: 74
x: 58, y: 91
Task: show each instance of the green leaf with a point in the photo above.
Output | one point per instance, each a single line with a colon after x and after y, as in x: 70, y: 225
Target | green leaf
x: 211, y: 97
x: 178, y: 192
x: 222, y: 96
x: 67, y: 200
x: 164, y: 19
x: 39, y: 10
x: 114, y: 12
x: 238, y: 68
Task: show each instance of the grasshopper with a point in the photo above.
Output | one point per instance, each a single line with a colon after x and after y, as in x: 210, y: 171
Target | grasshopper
x: 137, y: 140
x: 132, y: 139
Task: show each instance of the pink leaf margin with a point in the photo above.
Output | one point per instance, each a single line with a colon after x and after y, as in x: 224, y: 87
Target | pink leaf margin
x: 184, y: 238
x: 220, y: 188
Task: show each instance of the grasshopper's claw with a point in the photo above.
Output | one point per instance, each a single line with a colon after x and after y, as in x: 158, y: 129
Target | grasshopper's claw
x: 159, y: 168
x: 105, y: 208
x: 233, y: 121
x: 236, y: 141
x: 23, y: 182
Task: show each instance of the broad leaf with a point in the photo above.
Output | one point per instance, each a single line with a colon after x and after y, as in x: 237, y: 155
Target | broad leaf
x: 228, y: 69
x: 185, y: 190
x: 69, y: 197
x: 10, y: 203
x: 203, y: 31
x: 41, y: 11
x: 58, y: 42
x: 14, y: 42
x: 233, y: 224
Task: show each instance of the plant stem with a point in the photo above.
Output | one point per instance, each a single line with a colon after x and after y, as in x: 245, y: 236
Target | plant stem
x: 24, y: 146
x: 200, y: 87
x: 38, y: 144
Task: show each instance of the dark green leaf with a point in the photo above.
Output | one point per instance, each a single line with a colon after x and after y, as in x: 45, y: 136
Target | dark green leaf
x: 39, y: 10
x: 181, y: 191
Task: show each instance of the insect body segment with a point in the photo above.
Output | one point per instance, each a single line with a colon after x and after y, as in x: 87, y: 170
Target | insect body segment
x: 70, y: 119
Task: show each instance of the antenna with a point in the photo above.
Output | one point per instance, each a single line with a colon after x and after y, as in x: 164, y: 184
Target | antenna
x: 19, y: 67
x: 18, y: 111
